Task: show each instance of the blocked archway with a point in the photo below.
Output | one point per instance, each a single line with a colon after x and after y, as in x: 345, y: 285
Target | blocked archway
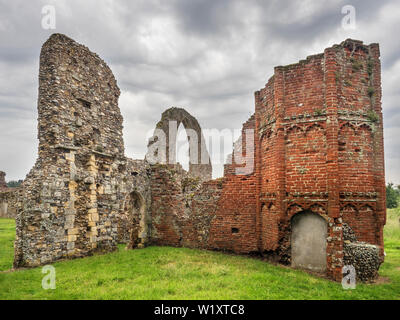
x: 199, y: 158
x: 308, y: 241
x: 133, y: 224
x: 138, y: 229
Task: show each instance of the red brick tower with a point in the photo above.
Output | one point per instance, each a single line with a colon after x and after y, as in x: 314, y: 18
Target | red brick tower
x: 320, y: 149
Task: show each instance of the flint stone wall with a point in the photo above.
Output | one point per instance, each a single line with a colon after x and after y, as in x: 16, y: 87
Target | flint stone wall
x: 70, y: 197
x: 364, y: 257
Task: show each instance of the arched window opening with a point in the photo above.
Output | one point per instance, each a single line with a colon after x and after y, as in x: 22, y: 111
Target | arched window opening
x: 182, y: 148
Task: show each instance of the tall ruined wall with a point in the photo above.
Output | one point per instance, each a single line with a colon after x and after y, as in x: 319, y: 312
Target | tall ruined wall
x: 70, y: 196
x: 321, y: 148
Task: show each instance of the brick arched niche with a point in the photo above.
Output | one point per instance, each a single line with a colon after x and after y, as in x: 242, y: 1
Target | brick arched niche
x: 133, y: 225
x: 308, y: 241
x: 162, y: 146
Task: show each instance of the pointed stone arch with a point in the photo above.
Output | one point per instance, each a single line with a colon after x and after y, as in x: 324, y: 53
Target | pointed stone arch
x: 199, y: 158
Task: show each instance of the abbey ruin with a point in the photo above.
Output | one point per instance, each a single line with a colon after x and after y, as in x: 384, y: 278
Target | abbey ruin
x: 314, y: 197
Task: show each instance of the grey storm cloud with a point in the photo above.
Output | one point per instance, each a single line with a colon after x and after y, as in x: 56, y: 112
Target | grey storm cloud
x: 208, y: 56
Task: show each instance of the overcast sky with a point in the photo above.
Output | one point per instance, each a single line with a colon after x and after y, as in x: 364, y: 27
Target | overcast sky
x: 206, y: 56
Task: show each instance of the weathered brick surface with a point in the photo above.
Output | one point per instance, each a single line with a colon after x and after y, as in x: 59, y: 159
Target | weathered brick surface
x: 10, y: 202
x: 321, y: 146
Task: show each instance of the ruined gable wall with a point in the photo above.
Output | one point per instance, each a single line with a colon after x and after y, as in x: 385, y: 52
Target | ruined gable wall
x: 10, y: 202
x: 234, y: 227
x: 70, y: 196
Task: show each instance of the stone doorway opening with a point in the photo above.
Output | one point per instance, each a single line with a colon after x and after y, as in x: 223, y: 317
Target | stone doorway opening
x: 308, y: 241
x: 133, y: 223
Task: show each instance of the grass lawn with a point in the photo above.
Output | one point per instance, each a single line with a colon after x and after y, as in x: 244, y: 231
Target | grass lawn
x: 178, y: 273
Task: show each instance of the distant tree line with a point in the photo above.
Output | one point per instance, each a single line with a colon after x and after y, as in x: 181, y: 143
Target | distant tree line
x: 14, y: 184
x: 392, y: 196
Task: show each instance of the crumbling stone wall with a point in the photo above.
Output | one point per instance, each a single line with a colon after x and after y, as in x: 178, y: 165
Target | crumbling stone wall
x: 70, y: 196
x: 216, y: 214
x: 3, y: 196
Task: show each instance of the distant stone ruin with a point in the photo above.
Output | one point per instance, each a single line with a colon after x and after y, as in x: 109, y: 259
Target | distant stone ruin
x: 3, y: 184
x: 10, y: 198
x: 313, y: 196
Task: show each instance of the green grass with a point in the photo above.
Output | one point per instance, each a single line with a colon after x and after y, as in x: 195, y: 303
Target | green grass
x: 178, y: 273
